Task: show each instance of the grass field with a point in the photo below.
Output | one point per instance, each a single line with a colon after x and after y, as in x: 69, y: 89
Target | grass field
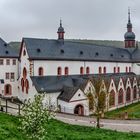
x: 133, y: 111
x: 61, y: 131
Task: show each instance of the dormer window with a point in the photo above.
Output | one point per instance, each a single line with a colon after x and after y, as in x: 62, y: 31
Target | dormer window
x: 62, y: 51
x: 6, y: 52
x: 38, y: 50
x: 111, y: 55
x: 5, y: 44
x: 96, y: 53
x: 81, y: 52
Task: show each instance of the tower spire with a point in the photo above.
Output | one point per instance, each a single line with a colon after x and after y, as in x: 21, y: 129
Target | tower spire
x: 129, y: 21
x: 129, y: 35
x: 60, y: 22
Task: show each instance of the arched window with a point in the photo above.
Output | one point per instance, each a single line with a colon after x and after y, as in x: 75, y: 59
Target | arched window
x: 87, y: 70
x: 128, y: 94
x: 129, y: 69
x: 118, y: 69
x: 81, y: 70
x: 114, y: 69
x: 27, y: 85
x: 135, y: 92
x: 126, y: 69
x: 59, y: 71
x: 112, y: 98
x: 100, y: 70
x: 104, y: 70
x: 24, y: 73
x: 66, y: 71
x: 22, y: 84
x: 120, y: 96
x: 24, y: 53
x: 40, y: 71
x: 8, y: 89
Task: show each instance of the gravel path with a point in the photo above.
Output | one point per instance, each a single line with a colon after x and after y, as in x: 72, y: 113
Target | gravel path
x: 119, y: 125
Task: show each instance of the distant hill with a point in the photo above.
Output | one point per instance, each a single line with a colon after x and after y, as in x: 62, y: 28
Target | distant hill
x: 113, y: 43
x: 15, y: 45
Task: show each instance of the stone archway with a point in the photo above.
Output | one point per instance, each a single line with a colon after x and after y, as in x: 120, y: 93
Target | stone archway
x: 79, y: 110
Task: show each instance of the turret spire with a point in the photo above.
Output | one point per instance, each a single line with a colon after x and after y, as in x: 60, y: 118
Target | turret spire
x: 60, y: 22
x: 129, y: 35
x: 129, y: 24
x: 129, y: 21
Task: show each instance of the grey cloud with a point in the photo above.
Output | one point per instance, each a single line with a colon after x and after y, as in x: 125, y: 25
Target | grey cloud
x: 93, y: 19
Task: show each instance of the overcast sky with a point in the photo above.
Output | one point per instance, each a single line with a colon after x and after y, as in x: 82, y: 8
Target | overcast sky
x: 82, y: 19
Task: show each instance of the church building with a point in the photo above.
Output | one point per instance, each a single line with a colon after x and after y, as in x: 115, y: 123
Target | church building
x: 65, y: 71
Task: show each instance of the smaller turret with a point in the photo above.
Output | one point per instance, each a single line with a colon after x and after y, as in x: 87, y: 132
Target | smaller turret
x: 60, y: 32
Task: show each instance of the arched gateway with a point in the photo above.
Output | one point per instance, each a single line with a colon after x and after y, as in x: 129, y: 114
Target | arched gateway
x: 79, y: 110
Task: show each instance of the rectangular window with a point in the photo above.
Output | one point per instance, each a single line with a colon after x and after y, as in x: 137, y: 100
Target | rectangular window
x: 7, y: 75
x: 14, y: 61
x: 12, y: 76
x: 7, y: 61
x: 1, y: 61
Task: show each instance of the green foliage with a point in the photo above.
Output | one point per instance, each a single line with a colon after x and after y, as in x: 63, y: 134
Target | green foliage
x: 102, y: 101
x: 133, y: 111
x: 91, y: 101
x: 97, y: 103
x: 34, y: 118
x: 9, y: 128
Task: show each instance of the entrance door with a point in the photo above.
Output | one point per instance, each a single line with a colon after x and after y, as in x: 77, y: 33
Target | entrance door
x: 79, y: 110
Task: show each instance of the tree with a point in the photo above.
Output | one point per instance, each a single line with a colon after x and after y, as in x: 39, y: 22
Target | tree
x: 98, y: 102
x: 34, y: 118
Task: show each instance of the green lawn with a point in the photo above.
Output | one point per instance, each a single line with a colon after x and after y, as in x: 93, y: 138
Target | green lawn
x: 133, y: 111
x: 8, y: 128
x: 61, y: 131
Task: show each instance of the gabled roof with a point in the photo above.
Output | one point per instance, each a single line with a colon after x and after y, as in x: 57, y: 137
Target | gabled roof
x: 40, y: 49
x: 57, y: 83
x: 67, y: 93
x: 136, y: 55
x: 6, y: 51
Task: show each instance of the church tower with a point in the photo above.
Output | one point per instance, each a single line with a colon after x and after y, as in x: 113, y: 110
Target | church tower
x: 129, y: 35
x: 60, y: 32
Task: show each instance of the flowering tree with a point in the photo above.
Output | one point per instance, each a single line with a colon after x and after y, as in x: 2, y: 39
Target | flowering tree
x: 34, y: 118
